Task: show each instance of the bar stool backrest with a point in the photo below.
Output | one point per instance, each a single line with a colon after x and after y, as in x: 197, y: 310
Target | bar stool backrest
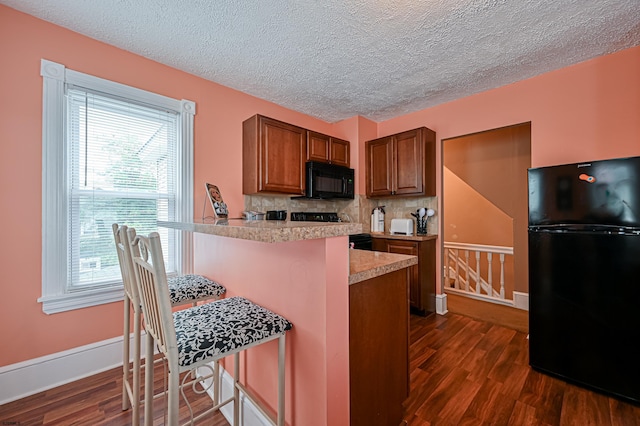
x: 151, y: 279
x: 126, y: 263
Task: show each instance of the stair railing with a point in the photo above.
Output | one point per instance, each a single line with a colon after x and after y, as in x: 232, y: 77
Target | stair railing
x: 463, y: 277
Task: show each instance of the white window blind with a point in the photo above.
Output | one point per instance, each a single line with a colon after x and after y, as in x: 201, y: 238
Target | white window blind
x: 123, y: 170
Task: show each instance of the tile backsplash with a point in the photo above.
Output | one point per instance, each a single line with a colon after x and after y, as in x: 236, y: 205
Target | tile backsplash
x: 356, y: 210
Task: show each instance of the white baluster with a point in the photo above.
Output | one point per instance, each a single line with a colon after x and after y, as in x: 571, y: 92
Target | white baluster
x: 447, y: 266
x: 478, y: 278
x: 502, y: 276
x: 490, y: 273
x: 466, y: 275
x: 457, y: 269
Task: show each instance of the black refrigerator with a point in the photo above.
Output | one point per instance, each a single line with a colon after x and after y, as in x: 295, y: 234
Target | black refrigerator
x: 584, y: 274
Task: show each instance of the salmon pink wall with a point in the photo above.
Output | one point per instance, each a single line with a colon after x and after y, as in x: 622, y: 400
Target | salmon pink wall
x: 358, y: 130
x: 24, y: 41
x: 587, y: 111
x: 471, y: 218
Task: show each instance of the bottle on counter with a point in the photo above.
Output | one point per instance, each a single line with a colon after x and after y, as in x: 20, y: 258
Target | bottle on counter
x: 377, y: 219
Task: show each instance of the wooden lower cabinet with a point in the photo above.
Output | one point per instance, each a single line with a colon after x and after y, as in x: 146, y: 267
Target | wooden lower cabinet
x: 379, y: 349
x: 422, y: 277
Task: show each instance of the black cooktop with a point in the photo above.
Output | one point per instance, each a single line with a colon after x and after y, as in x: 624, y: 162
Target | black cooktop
x: 315, y: 217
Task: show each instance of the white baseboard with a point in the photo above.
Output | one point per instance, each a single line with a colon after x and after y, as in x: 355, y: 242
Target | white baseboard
x: 441, y: 304
x: 521, y: 300
x: 39, y: 374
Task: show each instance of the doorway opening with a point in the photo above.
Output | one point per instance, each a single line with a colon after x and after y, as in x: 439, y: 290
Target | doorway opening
x: 485, y: 214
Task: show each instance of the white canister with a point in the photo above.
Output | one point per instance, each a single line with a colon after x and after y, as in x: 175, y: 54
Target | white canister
x: 374, y: 220
x: 377, y: 220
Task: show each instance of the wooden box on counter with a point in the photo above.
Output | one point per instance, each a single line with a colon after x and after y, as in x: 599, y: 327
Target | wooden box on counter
x: 422, y: 277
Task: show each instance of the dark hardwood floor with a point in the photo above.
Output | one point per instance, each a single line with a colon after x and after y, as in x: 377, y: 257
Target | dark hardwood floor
x: 96, y: 400
x: 464, y: 371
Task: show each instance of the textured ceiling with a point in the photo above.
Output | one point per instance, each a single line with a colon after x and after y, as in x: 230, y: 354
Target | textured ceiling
x: 334, y: 59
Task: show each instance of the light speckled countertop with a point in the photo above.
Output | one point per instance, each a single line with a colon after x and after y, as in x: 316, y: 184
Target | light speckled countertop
x: 268, y: 231
x: 365, y: 264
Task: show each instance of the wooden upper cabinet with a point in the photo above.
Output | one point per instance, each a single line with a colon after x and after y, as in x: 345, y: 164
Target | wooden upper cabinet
x: 379, y: 167
x: 273, y: 156
x: 402, y: 164
x: 327, y: 149
x: 339, y: 151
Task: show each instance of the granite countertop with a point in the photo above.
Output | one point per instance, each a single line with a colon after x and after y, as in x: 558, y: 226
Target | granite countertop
x: 366, y: 264
x: 267, y: 231
x: 404, y: 237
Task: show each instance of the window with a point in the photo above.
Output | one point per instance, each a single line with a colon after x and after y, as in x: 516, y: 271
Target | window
x: 111, y: 153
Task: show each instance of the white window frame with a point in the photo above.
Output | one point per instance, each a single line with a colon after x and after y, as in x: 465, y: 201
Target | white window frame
x: 55, y: 194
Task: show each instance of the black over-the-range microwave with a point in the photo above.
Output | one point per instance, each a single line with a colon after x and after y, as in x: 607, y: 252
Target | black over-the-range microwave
x: 328, y: 181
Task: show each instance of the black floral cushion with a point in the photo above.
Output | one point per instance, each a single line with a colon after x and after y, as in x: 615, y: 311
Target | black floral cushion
x: 222, y: 326
x: 190, y: 287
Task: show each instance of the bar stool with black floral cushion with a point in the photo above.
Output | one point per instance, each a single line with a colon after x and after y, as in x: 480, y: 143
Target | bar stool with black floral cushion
x: 184, y: 289
x: 195, y: 337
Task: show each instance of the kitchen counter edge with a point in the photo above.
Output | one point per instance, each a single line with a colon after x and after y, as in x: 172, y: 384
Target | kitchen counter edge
x: 268, y: 231
x: 366, y: 264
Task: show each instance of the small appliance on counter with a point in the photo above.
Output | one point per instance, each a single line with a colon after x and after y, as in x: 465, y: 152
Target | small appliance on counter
x: 401, y: 227
x: 252, y: 215
x: 276, y: 215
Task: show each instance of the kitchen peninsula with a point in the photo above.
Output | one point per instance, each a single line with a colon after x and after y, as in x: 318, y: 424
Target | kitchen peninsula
x: 306, y: 272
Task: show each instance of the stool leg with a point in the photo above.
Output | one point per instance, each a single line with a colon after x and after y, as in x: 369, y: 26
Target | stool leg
x: 135, y: 412
x: 216, y: 382
x: 281, y: 350
x: 148, y: 383
x: 236, y: 390
x: 173, y: 400
x: 126, y: 335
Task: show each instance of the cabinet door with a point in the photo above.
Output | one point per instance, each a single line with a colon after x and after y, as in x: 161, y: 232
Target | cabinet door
x: 411, y: 248
x: 318, y: 147
x: 378, y: 349
x: 408, y: 170
x: 405, y: 247
x: 379, y: 168
x: 282, y: 156
x: 339, y: 151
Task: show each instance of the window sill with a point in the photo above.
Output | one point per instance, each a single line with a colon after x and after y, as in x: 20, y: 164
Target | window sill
x: 66, y: 302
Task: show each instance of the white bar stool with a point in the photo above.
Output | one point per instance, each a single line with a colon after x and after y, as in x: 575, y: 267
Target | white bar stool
x: 199, y: 335
x: 183, y: 289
